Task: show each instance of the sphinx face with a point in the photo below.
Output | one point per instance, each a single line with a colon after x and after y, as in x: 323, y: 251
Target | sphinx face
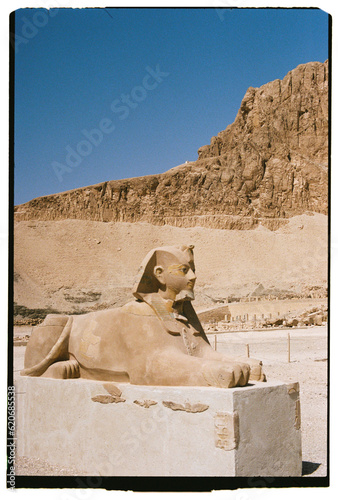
x: 181, y: 279
x: 177, y: 276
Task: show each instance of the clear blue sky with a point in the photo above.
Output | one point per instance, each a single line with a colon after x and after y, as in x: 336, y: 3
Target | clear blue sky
x: 82, y: 69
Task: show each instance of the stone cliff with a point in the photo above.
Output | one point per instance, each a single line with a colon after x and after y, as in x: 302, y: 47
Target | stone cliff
x: 270, y: 164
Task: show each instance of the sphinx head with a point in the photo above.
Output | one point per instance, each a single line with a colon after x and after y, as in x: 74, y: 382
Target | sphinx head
x: 169, y: 271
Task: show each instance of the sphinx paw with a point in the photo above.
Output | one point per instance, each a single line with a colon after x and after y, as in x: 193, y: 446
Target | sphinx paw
x: 227, y: 375
x: 63, y: 370
x: 256, y: 369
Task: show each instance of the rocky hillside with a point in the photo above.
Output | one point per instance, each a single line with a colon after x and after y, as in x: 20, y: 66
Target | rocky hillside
x: 269, y: 165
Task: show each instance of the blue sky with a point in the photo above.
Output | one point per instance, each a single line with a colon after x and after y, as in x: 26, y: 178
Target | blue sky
x: 104, y: 94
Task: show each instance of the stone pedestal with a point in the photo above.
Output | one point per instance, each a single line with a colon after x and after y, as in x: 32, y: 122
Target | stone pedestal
x: 124, y: 430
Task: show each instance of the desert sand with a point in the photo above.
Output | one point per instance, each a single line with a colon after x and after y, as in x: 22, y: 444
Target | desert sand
x: 76, y: 265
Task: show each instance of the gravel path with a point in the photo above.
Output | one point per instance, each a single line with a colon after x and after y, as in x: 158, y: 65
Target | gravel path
x: 308, y: 366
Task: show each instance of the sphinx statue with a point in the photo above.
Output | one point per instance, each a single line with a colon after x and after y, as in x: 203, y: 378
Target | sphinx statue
x: 156, y: 339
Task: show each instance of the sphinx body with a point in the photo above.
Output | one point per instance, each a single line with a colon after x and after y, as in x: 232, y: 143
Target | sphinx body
x: 156, y: 339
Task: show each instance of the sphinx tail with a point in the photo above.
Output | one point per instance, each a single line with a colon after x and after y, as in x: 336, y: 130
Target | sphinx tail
x: 50, y: 341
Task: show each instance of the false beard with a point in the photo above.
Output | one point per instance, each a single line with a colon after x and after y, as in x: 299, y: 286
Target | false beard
x: 185, y: 295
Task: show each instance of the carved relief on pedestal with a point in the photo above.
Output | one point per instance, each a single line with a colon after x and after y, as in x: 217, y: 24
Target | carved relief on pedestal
x: 226, y: 430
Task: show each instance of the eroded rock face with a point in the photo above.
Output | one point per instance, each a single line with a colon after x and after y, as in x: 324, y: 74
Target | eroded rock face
x: 274, y: 157
x: 270, y: 164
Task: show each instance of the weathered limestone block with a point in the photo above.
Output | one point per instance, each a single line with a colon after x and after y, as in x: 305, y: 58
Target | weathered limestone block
x: 245, y: 431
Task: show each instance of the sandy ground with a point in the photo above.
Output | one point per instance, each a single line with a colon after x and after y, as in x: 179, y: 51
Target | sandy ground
x: 308, y: 366
x: 74, y: 265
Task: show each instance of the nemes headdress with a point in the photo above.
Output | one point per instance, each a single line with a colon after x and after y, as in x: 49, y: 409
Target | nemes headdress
x: 145, y: 281
x: 146, y: 285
